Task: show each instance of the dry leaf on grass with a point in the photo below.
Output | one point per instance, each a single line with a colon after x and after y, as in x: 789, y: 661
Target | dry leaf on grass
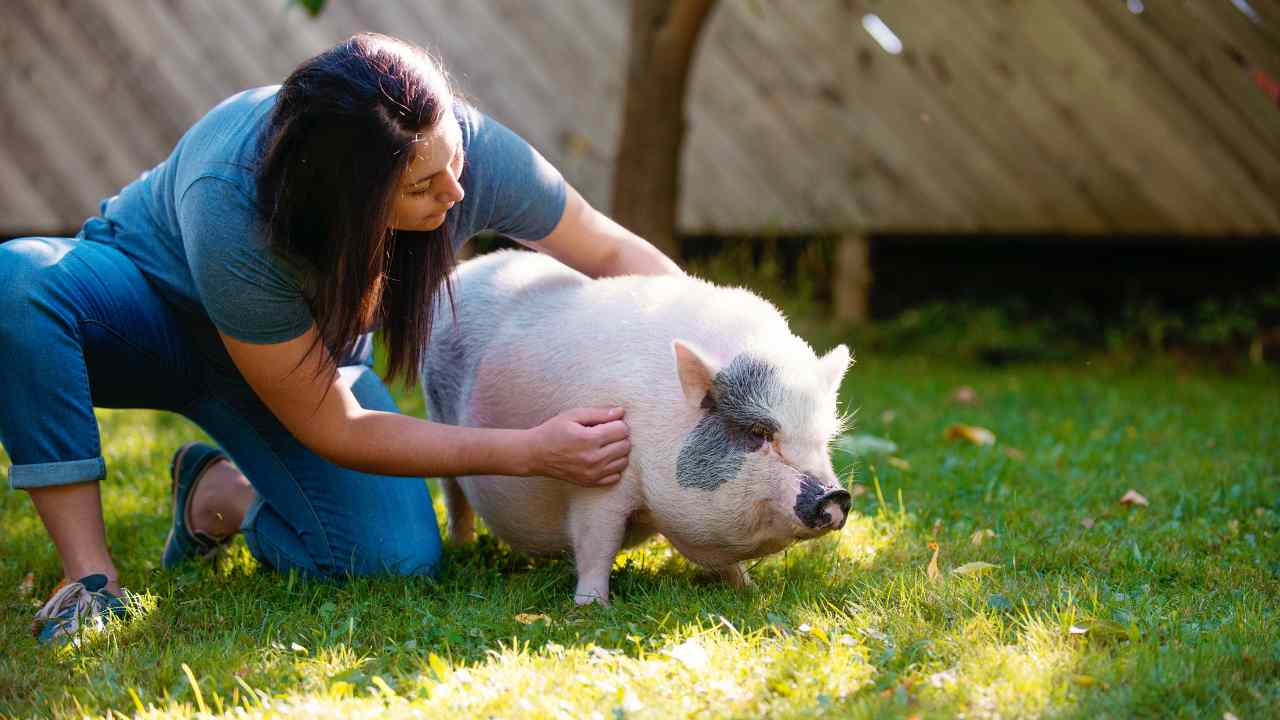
x: 932, y: 570
x: 1087, y: 523
x: 27, y: 584
x: 973, y: 568
x: 972, y: 433
x: 531, y: 618
x: 1134, y: 498
x: 980, y: 536
x: 898, y: 462
x: 1015, y: 454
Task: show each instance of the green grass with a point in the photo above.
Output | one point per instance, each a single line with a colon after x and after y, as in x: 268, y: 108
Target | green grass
x: 1177, y: 601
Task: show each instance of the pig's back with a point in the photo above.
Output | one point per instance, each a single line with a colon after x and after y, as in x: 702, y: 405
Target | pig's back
x: 538, y: 338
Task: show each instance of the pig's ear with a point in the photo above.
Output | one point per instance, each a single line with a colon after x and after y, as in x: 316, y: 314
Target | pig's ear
x: 832, y: 366
x: 696, y: 372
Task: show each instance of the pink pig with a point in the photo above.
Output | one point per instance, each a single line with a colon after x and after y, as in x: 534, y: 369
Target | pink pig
x: 730, y: 414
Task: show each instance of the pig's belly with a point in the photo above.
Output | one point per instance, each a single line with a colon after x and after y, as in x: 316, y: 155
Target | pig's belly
x: 529, y: 514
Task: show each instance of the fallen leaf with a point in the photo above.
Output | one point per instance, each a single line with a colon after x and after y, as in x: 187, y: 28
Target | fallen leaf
x: 964, y: 395
x: 973, y: 568
x: 691, y: 654
x: 1084, y: 680
x: 943, y: 678
x: 1087, y: 523
x: 980, y: 536
x: 27, y: 584
x: 531, y: 618
x: 888, y: 416
x: 863, y: 444
x: 857, y: 490
x: 1133, y: 498
x: 1015, y: 454
x: 932, y: 570
x: 898, y: 462
x: 972, y: 433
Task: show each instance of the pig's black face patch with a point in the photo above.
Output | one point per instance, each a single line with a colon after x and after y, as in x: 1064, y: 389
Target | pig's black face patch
x: 737, y: 417
x: 807, y: 506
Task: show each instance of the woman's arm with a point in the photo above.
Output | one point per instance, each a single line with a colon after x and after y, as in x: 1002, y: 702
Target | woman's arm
x: 585, y: 446
x: 588, y: 241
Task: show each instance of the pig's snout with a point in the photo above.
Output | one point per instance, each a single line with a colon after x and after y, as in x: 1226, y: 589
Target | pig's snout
x: 833, y: 509
x: 820, y: 507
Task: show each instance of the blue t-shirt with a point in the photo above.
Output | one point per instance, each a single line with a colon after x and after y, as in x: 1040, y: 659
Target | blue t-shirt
x: 191, y: 226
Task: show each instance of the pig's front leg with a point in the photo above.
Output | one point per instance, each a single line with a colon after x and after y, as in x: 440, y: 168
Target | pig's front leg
x: 735, y: 575
x: 597, y: 539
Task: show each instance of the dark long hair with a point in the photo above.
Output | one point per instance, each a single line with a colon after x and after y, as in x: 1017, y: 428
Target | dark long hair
x: 331, y: 158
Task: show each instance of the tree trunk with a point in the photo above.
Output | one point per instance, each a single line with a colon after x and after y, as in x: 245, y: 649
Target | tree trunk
x: 851, y: 286
x: 646, y: 182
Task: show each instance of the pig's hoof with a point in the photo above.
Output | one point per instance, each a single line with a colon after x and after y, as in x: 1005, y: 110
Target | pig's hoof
x: 735, y: 575
x: 459, y: 538
x: 584, y: 599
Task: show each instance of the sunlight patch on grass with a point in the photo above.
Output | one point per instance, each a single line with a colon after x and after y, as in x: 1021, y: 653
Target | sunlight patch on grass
x: 713, y: 671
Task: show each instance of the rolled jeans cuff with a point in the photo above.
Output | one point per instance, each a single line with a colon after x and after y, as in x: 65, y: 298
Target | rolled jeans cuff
x: 70, y: 472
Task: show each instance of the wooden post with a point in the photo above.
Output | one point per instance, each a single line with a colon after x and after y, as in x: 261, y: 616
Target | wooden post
x: 851, y: 286
x: 646, y: 175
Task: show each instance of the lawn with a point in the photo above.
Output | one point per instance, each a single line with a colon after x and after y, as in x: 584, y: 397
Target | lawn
x: 1092, y: 607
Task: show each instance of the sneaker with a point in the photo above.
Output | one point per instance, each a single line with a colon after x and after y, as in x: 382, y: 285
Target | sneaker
x: 185, y: 471
x: 78, y: 606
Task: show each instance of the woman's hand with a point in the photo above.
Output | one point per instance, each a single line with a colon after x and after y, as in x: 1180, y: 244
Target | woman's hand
x: 583, y: 446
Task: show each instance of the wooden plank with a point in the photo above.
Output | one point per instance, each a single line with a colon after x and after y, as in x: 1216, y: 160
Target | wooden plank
x: 115, y: 126
x: 45, y: 126
x: 954, y: 55
x: 21, y: 205
x: 780, y: 162
x: 191, y: 85
x: 1076, y: 87
x: 64, y: 179
x: 1213, y: 127
x: 1167, y: 122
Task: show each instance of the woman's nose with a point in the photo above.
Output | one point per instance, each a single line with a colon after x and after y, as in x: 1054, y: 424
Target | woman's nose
x: 452, y: 192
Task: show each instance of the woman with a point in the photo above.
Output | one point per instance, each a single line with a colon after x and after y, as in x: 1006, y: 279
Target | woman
x: 237, y: 282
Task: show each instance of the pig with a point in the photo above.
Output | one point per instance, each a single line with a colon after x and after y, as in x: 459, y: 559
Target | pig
x: 730, y: 414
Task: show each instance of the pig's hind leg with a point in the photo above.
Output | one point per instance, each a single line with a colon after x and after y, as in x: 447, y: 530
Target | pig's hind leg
x: 462, y: 521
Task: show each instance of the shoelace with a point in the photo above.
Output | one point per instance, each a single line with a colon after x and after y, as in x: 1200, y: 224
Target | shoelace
x: 73, y: 594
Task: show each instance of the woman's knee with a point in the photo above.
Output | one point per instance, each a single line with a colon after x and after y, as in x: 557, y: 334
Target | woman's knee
x: 21, y: 262
x: 25, y: 285
x: 406, y: 550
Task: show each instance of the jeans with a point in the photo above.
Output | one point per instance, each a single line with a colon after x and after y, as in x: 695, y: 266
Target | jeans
x: 81, y: 327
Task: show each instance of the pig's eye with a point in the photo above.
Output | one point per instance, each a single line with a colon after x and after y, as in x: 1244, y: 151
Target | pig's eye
x: 761, y: 432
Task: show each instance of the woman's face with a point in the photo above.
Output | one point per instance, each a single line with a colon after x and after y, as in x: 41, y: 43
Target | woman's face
x: 430, y: 184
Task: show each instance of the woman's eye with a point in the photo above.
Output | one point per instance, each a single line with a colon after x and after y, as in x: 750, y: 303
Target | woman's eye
x: 761, y: 432
x: 418, y: 193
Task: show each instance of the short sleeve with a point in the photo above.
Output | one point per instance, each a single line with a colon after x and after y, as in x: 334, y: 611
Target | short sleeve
x: 248, y: 293
x: 515, y: 190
